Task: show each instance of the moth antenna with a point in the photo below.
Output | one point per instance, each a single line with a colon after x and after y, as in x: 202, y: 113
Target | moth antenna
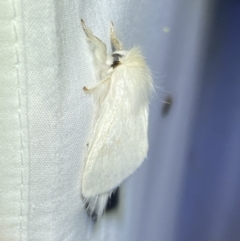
x: 87, y: 31
x: 83, y: 23
x: 116, y: 44
x: 99, y: 51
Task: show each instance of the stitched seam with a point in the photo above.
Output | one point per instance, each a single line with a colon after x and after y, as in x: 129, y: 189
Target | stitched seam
x: 20, y: 119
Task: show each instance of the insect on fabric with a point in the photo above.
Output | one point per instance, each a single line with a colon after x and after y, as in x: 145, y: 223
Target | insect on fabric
x: 118, y: 142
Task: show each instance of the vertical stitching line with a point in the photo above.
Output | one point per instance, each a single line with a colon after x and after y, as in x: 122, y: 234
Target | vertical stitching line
x: 19, y: 117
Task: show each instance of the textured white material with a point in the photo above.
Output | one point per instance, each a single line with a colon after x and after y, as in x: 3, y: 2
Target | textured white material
x: 13, y: 125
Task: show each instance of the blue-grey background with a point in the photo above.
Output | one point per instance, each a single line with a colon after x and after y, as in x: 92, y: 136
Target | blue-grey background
x: 210, y: 202
x: 189, y: 188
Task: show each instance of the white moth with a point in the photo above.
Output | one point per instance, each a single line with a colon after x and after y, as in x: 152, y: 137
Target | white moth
x: 118, y: 143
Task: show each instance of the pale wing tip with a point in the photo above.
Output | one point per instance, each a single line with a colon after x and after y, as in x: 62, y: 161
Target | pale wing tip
x: 102, y: 181
x: 90, y: 188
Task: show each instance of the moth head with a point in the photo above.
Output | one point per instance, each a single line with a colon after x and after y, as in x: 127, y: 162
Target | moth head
x: 117, y: 58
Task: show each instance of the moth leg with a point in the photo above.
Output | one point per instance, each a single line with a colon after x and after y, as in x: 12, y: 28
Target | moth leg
x: 99, y: 84
x: 116, y: 44
x: 99, y: 51
x: 99, y: 91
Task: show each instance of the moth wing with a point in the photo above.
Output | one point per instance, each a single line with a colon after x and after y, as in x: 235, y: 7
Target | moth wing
x: 118, y: 144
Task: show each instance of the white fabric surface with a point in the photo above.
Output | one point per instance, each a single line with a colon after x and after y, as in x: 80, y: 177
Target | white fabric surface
x: 45, y: 116
x: 14, y: 164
